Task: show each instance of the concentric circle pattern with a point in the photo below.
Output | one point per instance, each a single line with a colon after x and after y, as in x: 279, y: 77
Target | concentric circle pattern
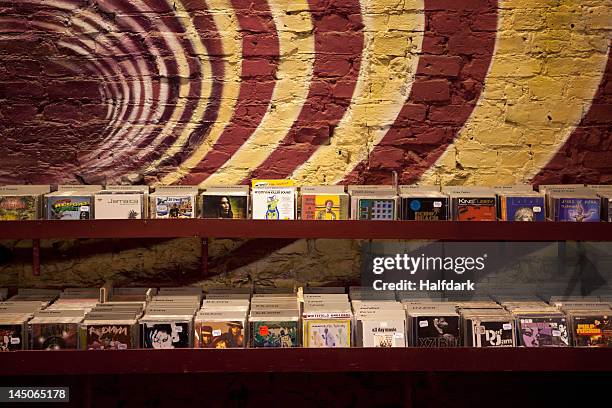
x: 323, y: 91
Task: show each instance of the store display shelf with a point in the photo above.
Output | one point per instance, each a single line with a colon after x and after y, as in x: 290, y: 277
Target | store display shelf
x: 305, y: 360
x: 438, y: 230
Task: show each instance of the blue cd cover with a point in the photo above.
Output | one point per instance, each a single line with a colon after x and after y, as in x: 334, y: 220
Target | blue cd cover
x: 528, y: 208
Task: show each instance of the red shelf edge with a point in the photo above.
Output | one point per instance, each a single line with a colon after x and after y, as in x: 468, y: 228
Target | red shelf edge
x: 349, y: 229
x: 304, y: 360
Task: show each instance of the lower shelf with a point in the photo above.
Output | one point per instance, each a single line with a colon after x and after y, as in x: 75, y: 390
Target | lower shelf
x: 304, y: 360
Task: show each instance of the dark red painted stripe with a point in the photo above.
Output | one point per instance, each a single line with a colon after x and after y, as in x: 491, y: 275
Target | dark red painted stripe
x: 338, y: 37
x: 260, y: 55
x: 586, y: 156
x: 456, y: 53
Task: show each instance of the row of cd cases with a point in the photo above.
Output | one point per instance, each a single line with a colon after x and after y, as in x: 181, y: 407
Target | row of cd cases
x: 230, y: 318
x: 279, y: 199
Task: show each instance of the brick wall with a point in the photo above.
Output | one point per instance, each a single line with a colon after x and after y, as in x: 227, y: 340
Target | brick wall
x: 323, y: 91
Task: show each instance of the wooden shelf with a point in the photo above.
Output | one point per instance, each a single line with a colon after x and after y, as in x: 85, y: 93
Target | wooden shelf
x: 405, y: 230
x: 305, y: 360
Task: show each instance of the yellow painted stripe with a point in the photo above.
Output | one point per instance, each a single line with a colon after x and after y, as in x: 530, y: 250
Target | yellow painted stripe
x: 294, y: 74
x: 226, y: 22
x: 548, y: 64
x: 386, y: 75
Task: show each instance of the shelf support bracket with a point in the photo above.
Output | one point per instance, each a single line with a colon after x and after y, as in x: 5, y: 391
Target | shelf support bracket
x: 36, y: 257
x: 204, y: 257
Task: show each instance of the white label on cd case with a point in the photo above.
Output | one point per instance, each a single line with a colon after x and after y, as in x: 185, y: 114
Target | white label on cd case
x: 216, y: 332
x: 526, y: 321
x: 179, y: 329
x: 398, y: 335
x: 423, y: 323
x: 556, y: 333
x: 507, y: 326
x: 537, y: 209
x: 15, y: 340
x: 122, y: 346
x: 84, y: 208
x: 437, y: 204
x: 384, y: 324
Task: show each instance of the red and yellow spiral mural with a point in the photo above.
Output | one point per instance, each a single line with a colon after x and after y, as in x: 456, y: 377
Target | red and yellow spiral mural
x: 322, y: 91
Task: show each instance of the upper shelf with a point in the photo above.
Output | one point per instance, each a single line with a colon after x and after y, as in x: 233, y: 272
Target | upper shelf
x: 434, y: 230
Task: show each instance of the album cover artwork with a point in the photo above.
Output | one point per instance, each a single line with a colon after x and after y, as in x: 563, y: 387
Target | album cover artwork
x: 119, y: 206
x: 274, y: 203
x: 475, y: 209
x: 592, y: 331
x: 225, y: 206
x: 18, y: 208
x: 166, y: 335
x: 328, y: 333
x: 11, y: 337
x: 69, y: 207
x: 327, y: 207
x: 424, y: 208
x: 108, y: 337
x: 493, y: 334
x: 577, y: 209
x: 274, y: 334
x: 211, y: 334
x: 387, y: 333
x: 376, y: 209
x: 523, y: 208
x: 54, y: 336
x: 438, y: 331
x: 174, y: 206
x: 543, y: 332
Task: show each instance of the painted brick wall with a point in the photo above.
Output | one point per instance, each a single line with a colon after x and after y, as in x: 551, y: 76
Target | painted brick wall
x: 323, y: 91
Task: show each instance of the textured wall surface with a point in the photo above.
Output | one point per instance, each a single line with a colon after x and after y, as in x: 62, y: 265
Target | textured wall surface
x: 322, y: 91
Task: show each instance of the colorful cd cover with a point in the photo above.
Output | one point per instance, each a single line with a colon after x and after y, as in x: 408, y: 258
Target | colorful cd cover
x: 327, y: 333
x: 577, y: 209
x: 211, y: 334
x: 475, y: 209
x: 165, y: 335
x: 108, y: 337
x: 11, y: 337
x: 376, y: 209
x: 174, y: 206
x: 54, y: 336
x: 274, y: 203
x: 439, y: 331
x: 327, y: 207
x: 274, y: 334
x: 592, y: 331
x: 69, y: 207
x: 543, y: 332
x: 225, y: 206
x: 424, y: 208
x: 18, y: 208
x: 523, y: 208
